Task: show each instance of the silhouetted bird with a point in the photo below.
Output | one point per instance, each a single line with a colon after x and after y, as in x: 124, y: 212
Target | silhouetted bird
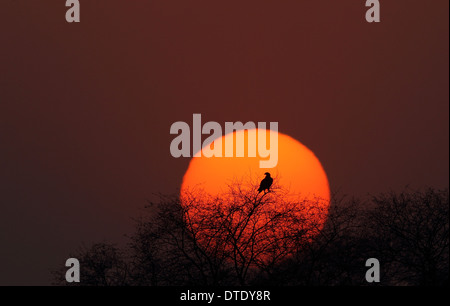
x: 265, y: 183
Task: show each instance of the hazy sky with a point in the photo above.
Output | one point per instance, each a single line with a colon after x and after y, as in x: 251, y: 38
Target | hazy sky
x: 85, y: 109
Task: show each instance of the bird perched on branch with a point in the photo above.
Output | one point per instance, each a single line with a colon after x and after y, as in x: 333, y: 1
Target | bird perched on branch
x: 265, y: 183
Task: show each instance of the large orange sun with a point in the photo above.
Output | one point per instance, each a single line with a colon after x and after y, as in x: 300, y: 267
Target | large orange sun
x: 298, y: 169
x: 299, y: 178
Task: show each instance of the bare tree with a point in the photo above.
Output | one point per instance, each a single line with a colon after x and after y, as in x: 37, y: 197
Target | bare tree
x: 226, y: 238
x: 335, y: 254
x: 102, y: 264
x: 243, y: 238
x: 410, y: 233
x: 166, y: 249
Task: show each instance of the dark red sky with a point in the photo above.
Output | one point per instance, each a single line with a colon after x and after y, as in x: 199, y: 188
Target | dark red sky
x: 85, y: 109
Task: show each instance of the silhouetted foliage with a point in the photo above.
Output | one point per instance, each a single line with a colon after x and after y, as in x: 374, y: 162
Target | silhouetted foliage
x: 409, y: 232
x: 103, y: 264
x: 241, y: 238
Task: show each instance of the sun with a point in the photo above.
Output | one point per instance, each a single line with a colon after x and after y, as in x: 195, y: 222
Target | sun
x: 299, y: 179
x: 298, y: 169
